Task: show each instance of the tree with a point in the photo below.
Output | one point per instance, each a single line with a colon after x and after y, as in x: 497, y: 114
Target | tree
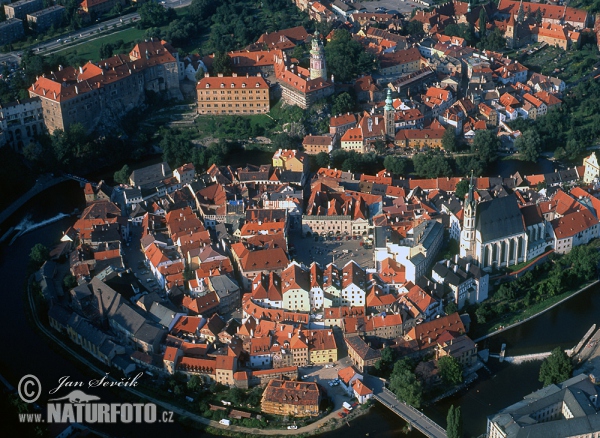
x: 431, y: 164
x: 482, y: 22
x: 560, y: 153
x: 236, y: 396
x: 380, y: 146
x: 450, y: 370
x: 454, y: 420
x: 322, y: 160
x: 194, y: 384
x: 487, y: 144
x: 556, y: 368
x: 342, y: 103
x: 395, y: 165
x: 343, y: 48
x: 201, y: 10
x: 38, y: 255
x: 449, y: 140
x: 451, y: 308
x: 155, y: 15
x: 176, y: 147
x: 105, y: 51
x: 299, y: 52
x: 69, y: 282
x: 462, y: 188
x: 574, y: 148
x: 122, y: 176
x: 414, y: 27
x: 222, y: 63
x: 385, y: 363
x: 529, y: 145
x: 493, y: 41
x: 188, y: 273
x: 406, y: 387
x: 466, y: 165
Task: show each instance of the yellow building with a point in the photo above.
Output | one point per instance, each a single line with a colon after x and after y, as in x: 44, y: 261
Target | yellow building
x: 419, y: 138
x: 322, y: 347
x: 292, y: 160
x: 401, y: 62
x: 298, y: 399
x: 233, y: 95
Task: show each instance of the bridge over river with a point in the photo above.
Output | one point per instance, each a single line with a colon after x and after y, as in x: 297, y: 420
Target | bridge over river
x: 412, y: 416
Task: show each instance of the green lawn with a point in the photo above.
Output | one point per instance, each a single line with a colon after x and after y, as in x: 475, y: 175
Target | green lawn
x: 90, y: 50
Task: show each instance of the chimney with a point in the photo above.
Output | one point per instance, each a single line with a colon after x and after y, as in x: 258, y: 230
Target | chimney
x: 455, y: 268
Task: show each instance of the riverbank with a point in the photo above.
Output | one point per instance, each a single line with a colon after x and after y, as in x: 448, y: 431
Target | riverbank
x: 552, y: 304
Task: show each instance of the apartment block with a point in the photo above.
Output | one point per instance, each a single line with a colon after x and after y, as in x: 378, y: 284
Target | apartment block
x: 233, y: 95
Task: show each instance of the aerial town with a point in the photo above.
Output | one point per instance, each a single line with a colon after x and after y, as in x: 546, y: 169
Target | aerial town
x: 307, y: 282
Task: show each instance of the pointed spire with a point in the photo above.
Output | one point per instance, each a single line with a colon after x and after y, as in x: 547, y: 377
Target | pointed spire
x: 470, y: 196
x: 521, y: 13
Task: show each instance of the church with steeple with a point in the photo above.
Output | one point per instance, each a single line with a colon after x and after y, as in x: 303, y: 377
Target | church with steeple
x: 494, y: 233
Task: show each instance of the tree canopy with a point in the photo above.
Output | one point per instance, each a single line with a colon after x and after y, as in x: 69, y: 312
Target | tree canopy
x: 405, y: 385
x: 222, y: 63
x: 529, y: 145
x: 450, y: 370
x: 431, y: 164
x: 395, y: 165
x: 346, y: 58
x: 449, y: 139
x: 321, y: 160
x: 155, y: 15
x: 556, y: 368
x: 122, y: 176
x: 342, y: 103
x: 38, y: 255
x: 462, y: 188
x: 454, y: 423
x: 486, y: 144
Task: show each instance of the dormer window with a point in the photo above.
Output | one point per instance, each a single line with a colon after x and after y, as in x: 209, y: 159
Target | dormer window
x: 257, y: 85
x: 207, y: 85
x: 222, y: 85
x: 244, y: 85
x: 232, y: 85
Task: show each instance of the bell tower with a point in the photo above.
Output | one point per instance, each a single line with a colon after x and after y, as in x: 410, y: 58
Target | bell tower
x: 467, y: 235
x: 389, y: 115
x: 317, y: 59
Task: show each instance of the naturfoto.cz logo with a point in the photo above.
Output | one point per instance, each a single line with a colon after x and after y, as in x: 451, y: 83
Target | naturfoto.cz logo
x: 79, y: 407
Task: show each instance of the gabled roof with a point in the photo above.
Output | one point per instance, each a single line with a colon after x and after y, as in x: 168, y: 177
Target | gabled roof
x: 573, y: 223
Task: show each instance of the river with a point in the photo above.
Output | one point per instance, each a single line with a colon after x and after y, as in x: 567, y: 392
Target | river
x: 26, y: 351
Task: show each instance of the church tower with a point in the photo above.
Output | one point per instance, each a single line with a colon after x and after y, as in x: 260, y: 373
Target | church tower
x: 389, y: 115
x: 467, y: 235
x: 317, y: 59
